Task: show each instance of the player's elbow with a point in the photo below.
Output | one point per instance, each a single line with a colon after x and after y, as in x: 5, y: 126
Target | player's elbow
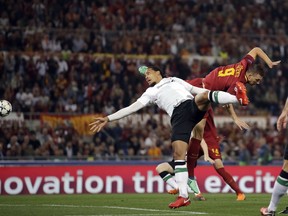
x: 257, y: 50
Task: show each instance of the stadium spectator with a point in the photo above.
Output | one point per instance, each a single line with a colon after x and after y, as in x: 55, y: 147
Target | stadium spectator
x: 264, y: 152
x: 2, y: 153
x: 33, y: 141
x: 154, y: 151
x: 244, y: 154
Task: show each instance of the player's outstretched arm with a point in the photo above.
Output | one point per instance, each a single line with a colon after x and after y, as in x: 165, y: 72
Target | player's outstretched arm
x: 241, y: 124
x: 257, y: 51
x: 283, y: 118
x: 100, y: 122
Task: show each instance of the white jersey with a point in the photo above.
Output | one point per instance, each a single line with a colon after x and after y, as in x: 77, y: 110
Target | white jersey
x: 167, y: 94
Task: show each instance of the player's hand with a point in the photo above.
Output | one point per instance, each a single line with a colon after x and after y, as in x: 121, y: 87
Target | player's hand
x: 98, y: 124
x: 241, y: 124
x: 270, y: 65
x: 208, y: 159
x: 282, y: 121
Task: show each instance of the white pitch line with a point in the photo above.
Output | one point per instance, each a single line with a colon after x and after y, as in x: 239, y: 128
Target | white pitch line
x: 172, y: 214
x: 112, y: 207
x: 13, y: 205
x: 153, y: 210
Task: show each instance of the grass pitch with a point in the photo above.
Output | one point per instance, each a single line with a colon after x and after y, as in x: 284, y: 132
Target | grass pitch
x: 131, y: 205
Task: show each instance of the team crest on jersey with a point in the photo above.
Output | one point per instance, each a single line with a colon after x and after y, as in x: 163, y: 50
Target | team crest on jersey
x: 238, y: 70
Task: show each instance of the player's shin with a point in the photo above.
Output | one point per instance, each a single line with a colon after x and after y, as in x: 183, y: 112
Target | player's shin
x: 228, y: 179
x: 181, y: 176
x: 168, y: 178
x: 192, y: 155
x: 192, y: 183
x: 279, y: 189
x: 221, y: 97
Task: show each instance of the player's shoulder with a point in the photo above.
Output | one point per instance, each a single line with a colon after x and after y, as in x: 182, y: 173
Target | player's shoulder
x: 150, y: 89
x: 175, y: 79
x: 248, y: 58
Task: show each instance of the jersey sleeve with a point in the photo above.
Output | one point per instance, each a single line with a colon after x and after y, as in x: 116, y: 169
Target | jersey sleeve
x: 183, y: 83
x: 194, y: 90
x: 248, y: 60
x: 126, y: 111
x: 147, y: 97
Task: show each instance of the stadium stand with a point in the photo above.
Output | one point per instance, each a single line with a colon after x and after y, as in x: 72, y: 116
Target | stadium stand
x: 81, y: 57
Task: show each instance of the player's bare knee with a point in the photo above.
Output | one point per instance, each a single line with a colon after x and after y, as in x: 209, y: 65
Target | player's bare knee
x: 202, y: 100
x: 198, y: 131
x: 159, y: 168
x: 285, y: 165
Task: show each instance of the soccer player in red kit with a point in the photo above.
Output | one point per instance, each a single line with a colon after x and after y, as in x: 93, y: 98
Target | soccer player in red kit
x: 227, y: 78
x: 212, y: 140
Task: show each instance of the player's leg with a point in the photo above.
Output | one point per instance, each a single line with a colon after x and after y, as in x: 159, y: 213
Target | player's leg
x: 183, y: 120
x: 219, y: 167
x: 279, y: 189
x: 165, y: 170
x: 181, y: 174
x: 192, y: 157
x: 194, y: 147
x: 193, y: 185
x: 219, y: 97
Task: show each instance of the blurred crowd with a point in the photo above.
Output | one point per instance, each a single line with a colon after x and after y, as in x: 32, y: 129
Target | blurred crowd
x: 82, y: 57
x: 149, y: 140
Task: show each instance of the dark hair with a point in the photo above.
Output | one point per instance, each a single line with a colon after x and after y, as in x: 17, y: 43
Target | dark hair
x: 256, y: 69
x: 156, y: 68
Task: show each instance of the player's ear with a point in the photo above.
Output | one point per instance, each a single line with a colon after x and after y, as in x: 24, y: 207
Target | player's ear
x: 159, y: 73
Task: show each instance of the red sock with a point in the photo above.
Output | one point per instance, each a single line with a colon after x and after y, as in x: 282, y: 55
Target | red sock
x: 192, y: 155
x: 228, y: 179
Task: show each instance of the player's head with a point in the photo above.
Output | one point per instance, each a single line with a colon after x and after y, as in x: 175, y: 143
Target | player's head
x: 152, y: 73
x: 254, y: 74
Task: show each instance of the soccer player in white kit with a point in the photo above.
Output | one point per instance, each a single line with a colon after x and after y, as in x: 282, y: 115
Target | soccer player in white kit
x: 174, y: 95
x: 281, y: 184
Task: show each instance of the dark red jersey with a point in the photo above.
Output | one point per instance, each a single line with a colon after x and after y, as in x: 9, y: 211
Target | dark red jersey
x: 223, y: 78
